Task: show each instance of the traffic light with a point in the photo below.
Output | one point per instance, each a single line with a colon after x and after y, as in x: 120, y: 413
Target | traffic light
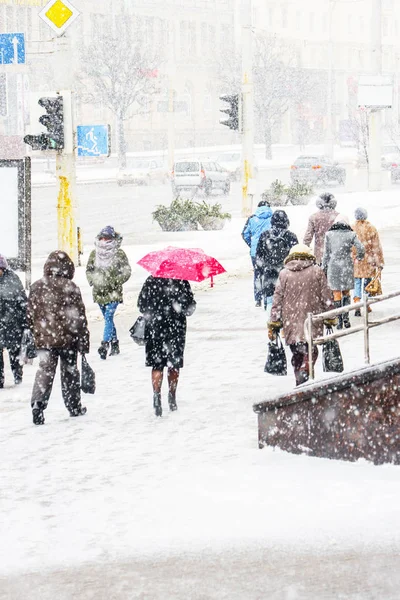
x: 53, y: 120
x: 232, y: 111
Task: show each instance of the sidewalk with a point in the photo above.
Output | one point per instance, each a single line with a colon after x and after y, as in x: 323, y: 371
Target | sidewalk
x: 119, y: 504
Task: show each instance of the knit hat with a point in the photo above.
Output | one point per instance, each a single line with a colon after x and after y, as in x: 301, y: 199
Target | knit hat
x: 326, y: 200
x: 3, y: 263
x: 342, y: 219
x: 280, y: 220
x: 361, y: 214
x: 107, y: 232
x: 302, y: 250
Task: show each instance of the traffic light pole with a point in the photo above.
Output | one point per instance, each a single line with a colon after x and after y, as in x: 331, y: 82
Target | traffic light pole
x: 247, y: 110
x: 65, y: 160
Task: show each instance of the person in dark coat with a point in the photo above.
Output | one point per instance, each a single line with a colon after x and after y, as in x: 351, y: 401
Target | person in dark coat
x: 107, y: 270
x: 273, y: 247
x: 13, y: 319
x: 165, y: 304
x: 57, y: 317
x: 254, y: 227
x: 338, y: 263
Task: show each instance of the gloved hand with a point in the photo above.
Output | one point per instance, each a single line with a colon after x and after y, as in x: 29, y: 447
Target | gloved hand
x: 331, y: 322
x: 273, y: 329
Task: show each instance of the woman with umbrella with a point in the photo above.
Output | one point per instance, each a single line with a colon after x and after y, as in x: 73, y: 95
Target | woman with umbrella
x: 166, y: 300
x: 165, y: 304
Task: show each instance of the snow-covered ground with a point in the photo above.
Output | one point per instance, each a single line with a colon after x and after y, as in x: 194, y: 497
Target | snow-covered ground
x: 121, y: 505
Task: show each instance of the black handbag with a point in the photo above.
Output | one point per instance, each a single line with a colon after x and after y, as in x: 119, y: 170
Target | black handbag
x: 332, y: 361
x: 137, y: 331
x: 276, y: 361
x: 28, y: 348
x: 88, y: 377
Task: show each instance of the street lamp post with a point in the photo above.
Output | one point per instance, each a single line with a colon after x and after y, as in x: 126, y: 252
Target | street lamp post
x: 329, y: 138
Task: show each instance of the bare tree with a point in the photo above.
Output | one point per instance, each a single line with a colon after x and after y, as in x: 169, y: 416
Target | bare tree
x: 121, y: 75
x: 277, y: 83
x: 359, y: 129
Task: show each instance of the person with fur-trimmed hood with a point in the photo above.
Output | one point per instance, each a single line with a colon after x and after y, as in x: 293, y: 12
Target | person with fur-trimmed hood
x: 107, y: 270
x: 319, y: 223
x: 301, y: 289
x: 338, y: 263
x: 57, y: 318
x: 364, y: 270
x: 273, y: 247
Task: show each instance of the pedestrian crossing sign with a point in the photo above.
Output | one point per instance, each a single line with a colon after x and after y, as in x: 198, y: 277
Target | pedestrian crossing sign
x: 59, y: 15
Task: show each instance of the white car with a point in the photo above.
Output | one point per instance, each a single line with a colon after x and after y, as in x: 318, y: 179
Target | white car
x: 199, y: 175
x: 231, y: 161
x: 143, y: 172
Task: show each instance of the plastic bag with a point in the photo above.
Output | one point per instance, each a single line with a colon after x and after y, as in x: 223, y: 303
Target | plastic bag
x: 276, y: 361
x: 137, y: 331
x: 88, y: 377
x: 332, y: 361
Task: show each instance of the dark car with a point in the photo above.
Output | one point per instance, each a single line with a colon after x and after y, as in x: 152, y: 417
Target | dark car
x: 318, y: 170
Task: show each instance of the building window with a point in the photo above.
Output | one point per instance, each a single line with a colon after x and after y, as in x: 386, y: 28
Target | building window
x: 362, y: 24
x: 385, y: 26
x: 271, y: 14
x: 192, y: 39
x: 183, y: 38
x: 312, y: 22
x: 204, y: 38
x: 299, y: 15
x: 350, y: 24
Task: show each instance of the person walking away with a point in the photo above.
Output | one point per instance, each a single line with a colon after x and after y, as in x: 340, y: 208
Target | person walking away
x: 57, y: 317
x: 165, y: 305
x: 319, y: 223
x: 106, y: 271
x: 273, y: 247
x: 301, y: 289
x: 13, y: 319
x: 254, y: 227
x: 365, y: 269
x: 338, y: 263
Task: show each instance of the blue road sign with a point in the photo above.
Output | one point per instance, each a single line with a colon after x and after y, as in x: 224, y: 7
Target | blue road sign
x: 12, y: 48
x: 93, y: 140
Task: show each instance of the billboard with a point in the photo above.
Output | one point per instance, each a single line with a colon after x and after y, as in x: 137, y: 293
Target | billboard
x: 15, y: 211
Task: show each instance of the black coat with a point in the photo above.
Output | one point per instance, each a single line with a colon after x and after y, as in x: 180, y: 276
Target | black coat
x: 13, y: 304
x: 273, y: 247
x: 165, y: 304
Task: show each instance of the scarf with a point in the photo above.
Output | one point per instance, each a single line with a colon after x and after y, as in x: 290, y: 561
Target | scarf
x: 106, y: 251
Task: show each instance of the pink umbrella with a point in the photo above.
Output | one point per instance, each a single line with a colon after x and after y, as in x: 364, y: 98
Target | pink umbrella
x: 181, y: 263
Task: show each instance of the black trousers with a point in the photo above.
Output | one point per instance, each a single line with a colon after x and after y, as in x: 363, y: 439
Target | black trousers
x: 70, y: 378
x: 16, y: 367
x: 300, y: 361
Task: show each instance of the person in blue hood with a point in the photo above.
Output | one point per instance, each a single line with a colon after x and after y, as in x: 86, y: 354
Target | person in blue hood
x: 255, y: 226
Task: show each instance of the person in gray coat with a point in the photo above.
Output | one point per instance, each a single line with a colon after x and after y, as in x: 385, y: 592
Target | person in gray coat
x: 338, y: 263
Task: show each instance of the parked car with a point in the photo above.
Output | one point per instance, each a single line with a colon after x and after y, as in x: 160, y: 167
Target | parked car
x: 318, y: 170
x: 390, y: 157
x: 232, y: 162
x: 199, y: 175
x: 143, y: 172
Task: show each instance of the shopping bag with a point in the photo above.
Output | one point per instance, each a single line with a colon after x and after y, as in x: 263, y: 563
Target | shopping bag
x: 276, y: 361
x: 374, y: 288
x: 332, y: 361
x: 28, y: 348
x: 137, y: 331
x: 88, y: 377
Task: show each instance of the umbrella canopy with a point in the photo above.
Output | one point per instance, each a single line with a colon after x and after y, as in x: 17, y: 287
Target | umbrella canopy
x: 181, y: 263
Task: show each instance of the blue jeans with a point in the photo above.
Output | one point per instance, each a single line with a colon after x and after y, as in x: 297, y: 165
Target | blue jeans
x: 268, y: 304
x: 108, y: 310
x: 358, y: 286
x: 257, y: 281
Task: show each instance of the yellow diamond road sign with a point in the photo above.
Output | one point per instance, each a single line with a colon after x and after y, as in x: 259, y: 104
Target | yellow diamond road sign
x: 59, y: 15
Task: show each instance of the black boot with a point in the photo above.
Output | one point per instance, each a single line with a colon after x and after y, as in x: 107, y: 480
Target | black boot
x: 114, y: 347
x: 103, y: 350
x: 38, y: 416
x: 78, y: 411
x: 172, y: 401
x: 338, y: 304
x: 157, y: 404
x: 346, y: 319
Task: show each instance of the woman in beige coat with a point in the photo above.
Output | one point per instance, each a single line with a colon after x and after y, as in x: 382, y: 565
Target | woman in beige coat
x: 365, y: 269
x: 302, y: 288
